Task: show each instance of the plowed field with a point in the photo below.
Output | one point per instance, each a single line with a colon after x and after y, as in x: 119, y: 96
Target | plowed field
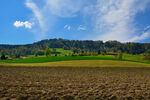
x: 64, y: 83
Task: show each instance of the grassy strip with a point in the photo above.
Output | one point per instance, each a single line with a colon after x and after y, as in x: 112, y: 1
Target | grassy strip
x: 79, y: 63
x: 126, y: 57
x: 57, y: 58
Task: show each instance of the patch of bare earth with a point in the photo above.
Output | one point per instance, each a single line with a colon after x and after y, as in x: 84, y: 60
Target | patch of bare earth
x: 74, y: 83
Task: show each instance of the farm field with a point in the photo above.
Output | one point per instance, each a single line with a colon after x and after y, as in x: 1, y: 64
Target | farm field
x: 75, y: 50
x: 80, y: 63
x: 65, y: 83
x: 43, y: 59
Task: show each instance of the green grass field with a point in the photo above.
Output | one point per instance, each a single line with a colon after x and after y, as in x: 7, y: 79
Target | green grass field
x: 42, y: 59
x: 80, y: 63
x: 57, y: 58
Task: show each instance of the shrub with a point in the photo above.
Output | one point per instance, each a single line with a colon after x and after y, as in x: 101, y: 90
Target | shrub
x: 3, y: 57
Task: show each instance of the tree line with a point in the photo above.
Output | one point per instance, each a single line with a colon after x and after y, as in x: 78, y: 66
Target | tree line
x: 38, y: 48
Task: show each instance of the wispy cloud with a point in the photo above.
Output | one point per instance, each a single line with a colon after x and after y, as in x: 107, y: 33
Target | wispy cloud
x: 111, y: 19
x: 38, y: 19
x: 68, y: 27
x: 147, y: 28
x: 145, y: 35
x: 46, y: 15
x: 64, y: 8
x: 36, y: 11
x: 25, y: 24
x: 115, y: 19
x: 81, y: 28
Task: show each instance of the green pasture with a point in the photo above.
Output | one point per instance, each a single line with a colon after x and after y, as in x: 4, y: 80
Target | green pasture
x: 43, y: 59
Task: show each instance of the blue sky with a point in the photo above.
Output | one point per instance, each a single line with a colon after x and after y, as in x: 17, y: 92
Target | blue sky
x: 28, y: 21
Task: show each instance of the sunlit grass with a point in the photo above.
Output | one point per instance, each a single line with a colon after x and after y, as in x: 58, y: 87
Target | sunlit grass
x: 80, y: 63
x: 43, y: 59
x: 57, y: 58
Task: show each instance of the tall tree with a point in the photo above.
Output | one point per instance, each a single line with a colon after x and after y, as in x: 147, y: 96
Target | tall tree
x: 120, y: 55
x: 47, y: 51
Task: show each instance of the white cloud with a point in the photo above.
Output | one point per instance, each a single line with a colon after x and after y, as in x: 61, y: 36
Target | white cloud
x: 145, y: 35
x: 111, y: 19
x: 81, y: 27
x: 147, y: 27
x: 115, y: 18
x: 48, y: 12
x: 64, y: 8
x: 25, y: 24
x: 68, y: 27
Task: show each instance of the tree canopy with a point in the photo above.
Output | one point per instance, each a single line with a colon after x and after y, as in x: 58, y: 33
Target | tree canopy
x: 75, y: 46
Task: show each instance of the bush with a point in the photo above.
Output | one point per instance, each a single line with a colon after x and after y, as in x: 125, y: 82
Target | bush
x: 3, y: 57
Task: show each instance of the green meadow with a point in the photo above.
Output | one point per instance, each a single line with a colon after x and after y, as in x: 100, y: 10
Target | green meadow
x: 43, y: 59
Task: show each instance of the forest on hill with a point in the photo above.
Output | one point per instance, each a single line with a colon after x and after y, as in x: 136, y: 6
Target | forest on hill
x: 76, y: 46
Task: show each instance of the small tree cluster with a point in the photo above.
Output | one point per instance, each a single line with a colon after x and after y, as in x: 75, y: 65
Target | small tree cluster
x: 120, y: 55
x: 47, y: 51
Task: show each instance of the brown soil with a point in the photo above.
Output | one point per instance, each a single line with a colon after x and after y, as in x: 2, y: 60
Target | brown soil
x: 74, y: 83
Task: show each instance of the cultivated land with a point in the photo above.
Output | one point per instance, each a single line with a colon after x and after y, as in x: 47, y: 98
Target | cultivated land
x: 102, y: 77
x: 65, y: 83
